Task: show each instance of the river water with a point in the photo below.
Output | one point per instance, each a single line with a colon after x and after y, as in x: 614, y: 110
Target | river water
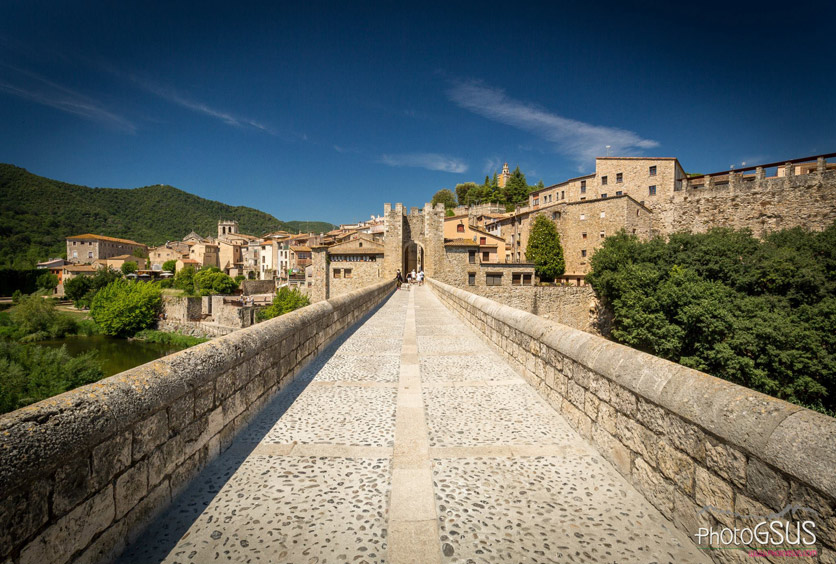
x: 114, y: 355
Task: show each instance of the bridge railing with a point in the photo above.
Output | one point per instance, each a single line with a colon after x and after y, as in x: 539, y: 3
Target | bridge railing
x: 82, y: 473
x: 688, y: 441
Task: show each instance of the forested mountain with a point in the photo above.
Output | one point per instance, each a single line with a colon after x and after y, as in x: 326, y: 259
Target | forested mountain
x: 37, y: 213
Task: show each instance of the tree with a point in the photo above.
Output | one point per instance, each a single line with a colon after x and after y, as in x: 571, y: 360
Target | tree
x: 544, y: 249
x: 170, y: 265
x: 212, y: 281
x: 76, y: 287
x: 184, y: 280
x: 462, y: 191
x: 446, y: 197
x: 129, y: 267
x: 516, y: 189
x: 125, y: 307
x: 47, y: 281
x: 285, y: 301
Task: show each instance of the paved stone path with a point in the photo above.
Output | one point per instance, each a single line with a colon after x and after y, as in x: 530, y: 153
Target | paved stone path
x: 410, y: 440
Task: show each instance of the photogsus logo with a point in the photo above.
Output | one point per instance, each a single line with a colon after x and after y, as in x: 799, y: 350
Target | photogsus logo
x: 772, y: 535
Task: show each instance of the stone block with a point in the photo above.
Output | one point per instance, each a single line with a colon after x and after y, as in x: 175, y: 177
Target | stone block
x: 607, y: 417
x: 677, y: 466
x: 655, y: 488
x: 131, y: 487
x: 714, y: 495
x: 149, y: 433
x: 147, y: 510
x: 181, y: 413
x: 689, y: 517
x: 22, y: 513
x: 766, y: 485
x: 73, y: 484
x: 582, y: 376
x: 183, y: 474
x: 599, y: 386
x: 576, y: 394
x: 623, y: 400
x: 824, y: 507
x: 165, y: 459
x: 590, y: 405
x: 611, y: 449
x: 110, y: 458
x: 637, y: 438
x: 686, y: 437
x: 651, y: 416
x: 577, y: 419
x: 72, y: 532
x: 107, y: 547
x: 749, y: 512
x: 726, y: 461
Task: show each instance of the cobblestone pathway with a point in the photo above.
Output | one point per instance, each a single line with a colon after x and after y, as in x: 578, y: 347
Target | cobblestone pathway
x: 410, y: 440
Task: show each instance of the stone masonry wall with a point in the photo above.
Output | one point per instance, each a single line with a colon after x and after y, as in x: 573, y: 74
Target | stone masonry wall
x: 82, y: 474
x: 685, y: 439
x: 575, y: 306
x: 764, y: 205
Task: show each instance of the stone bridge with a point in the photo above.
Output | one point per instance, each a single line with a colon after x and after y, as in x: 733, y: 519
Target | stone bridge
x: 422, y: 426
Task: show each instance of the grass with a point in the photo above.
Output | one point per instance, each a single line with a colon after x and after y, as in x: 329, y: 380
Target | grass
x: 163, y: 337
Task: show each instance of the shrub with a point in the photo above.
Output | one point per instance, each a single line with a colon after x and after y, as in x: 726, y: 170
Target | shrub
x: 544, y: 249
x: 47, y: 281
x: 286, y: 300
x: 123, y: 307
x: 213, y: 281
x: 128, y: 267
x: 170, y: 265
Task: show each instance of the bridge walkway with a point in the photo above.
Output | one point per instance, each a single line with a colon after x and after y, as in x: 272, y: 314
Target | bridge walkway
x: 410, y: 440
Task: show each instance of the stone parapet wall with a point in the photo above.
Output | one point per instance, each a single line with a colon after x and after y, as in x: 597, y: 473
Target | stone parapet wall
x: 81, y: 474
x: 763, y: 205
x: 195, y: 328
x: 685, y: 439
x: 575, y: 306
x: 253, y: 287
x: 182, y: 308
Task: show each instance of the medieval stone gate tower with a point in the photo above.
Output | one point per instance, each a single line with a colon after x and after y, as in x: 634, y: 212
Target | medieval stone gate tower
x: 413, y: 240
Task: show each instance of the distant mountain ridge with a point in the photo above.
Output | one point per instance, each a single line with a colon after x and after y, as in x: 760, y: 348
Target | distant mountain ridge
x: 37, y: 214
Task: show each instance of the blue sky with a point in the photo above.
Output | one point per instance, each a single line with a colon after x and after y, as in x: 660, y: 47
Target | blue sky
x: 317, y: 110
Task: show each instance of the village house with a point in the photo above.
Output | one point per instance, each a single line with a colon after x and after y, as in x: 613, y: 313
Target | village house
x: 87, y: 248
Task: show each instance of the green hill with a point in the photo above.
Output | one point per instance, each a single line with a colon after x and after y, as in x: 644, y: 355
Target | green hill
x: 38, y: 213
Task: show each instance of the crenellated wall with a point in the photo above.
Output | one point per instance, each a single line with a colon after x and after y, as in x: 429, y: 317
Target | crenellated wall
x: 685, y: 439
x: 82, y: 473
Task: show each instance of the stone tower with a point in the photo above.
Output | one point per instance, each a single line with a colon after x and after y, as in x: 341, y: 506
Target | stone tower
x: 227, y: 228
x: 503, y: 178
x: 412, y: 240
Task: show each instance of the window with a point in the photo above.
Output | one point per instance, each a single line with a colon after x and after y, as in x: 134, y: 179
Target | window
x: 347, y: 273
x: 555, y: 215
x: 603, y: 214
x: 583, y: 186
x: 583, y: 198
x: 651, y: 190
x: 338, y: 273
x: 516, y: 279
x: 563, y: 194
x: 618, y: 192
x: 486, y: 256
x: 460, y: 228
x: 471, y: 256
x: 603, y: 235
x: 89, y: 254
x: 604, y: 195
x: 653, y: 171
x: 471, y: 278
x: 583, y: 252
x: 637, y: 213
x: 526, y: 280
x: 483, y: 240
x: 360, y: 244
x: 619, y: 178
x: 583, y: 235
x: 493, y: 279
x: 583, y: 216
x: 603, y: 181
x: 536, y: 201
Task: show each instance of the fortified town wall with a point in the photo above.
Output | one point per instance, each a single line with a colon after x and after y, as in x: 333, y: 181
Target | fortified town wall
x: 82, y: 473
x: 761, y: 204
x: 685, y: 439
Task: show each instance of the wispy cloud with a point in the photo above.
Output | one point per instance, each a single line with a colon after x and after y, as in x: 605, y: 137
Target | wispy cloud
x: 175, y: 97
x: 40, y: 90
x: 430, y: 161
x: 576, y: 139
x: 492, y: 164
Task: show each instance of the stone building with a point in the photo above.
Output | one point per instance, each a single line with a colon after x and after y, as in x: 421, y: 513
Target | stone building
x: 87, y: 248
x: 205, y: 254
x: 116, y: 262
x: 157, y: 256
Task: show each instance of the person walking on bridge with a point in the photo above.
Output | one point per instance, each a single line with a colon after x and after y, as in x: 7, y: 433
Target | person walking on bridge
x: 399, y: 278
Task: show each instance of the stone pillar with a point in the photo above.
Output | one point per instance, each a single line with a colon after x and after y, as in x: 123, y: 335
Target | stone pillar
x: 709, y: 182
x: 320, y: 290
x: 821, y: 165
x: 433, y: 236
x: 734, y: 177
x: 759, y: 174
x: 392, y: 240
x: 789, y: 170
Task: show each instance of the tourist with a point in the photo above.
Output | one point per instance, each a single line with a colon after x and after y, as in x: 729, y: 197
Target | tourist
x: 399, y: 279
x: 421, y: 277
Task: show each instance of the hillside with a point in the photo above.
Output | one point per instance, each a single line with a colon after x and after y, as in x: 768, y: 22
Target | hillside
x: 38, y: 213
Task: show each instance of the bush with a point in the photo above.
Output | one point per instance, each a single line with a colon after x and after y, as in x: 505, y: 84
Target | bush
x: 32, y: 373
x: 123, y: 307
x: 170, y: 265
x: 286, y: 300
x: 184, y: 280
x: 129, y: 267
x: 47, y: 281
x: 758, y: 313
x: 213, y: 281
x: 166, y: 338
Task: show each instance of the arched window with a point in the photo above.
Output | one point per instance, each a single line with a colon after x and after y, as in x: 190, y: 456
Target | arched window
x: 460, y: 228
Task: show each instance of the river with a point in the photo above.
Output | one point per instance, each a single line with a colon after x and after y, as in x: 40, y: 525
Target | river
x: 114, y: 355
